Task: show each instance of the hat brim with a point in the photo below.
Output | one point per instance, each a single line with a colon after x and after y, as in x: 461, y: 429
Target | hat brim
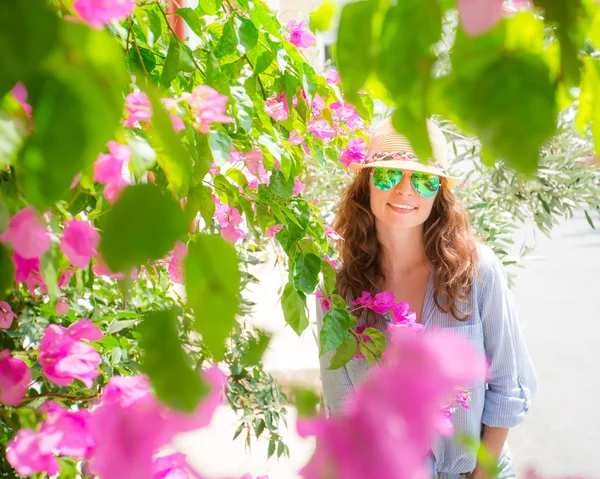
x: 403, y: 165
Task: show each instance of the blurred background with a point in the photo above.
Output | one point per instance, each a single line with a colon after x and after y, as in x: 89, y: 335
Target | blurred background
x: 552, y: 253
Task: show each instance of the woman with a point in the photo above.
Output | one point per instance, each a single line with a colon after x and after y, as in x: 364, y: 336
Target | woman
x: 404, y: 231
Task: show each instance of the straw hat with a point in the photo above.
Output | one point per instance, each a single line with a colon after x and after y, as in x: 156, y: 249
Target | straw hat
x: 390, y: 149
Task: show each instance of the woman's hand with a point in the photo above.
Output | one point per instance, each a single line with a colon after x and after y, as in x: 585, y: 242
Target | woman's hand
x: 479, y: 473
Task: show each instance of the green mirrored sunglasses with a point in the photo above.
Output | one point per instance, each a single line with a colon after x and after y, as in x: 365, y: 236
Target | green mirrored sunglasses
x: 425, y: 184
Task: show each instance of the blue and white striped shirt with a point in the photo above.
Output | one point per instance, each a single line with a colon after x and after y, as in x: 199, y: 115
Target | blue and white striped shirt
x: 493, y: 328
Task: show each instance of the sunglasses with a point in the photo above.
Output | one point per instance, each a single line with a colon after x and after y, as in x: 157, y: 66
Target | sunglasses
x: 425, y: 184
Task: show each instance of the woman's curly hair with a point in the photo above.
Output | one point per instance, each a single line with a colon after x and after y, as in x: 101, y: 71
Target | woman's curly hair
x: 450, y: 246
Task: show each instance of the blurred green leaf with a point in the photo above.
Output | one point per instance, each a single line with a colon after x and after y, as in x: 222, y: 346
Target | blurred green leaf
x: 171, y: 67
x: 253, y: 355
x: 589, y: 100
x: 320, y: 18
x: 141, y: 56
x: 344, y: 353
x: 7, y: 272
x: 212, y: 281
x: 10, y: 139
x: 49, y: 270
x: 305, y: 272
x: 336, y: 323
x: 143, y: 156
x: 294, y: 308
x: 210, y: 7
x: 220, y: 146
x: 168, y: 366
x: 141, y: 226
x: 243, y: 108
x: 306, y: 401
x: 191, y: 17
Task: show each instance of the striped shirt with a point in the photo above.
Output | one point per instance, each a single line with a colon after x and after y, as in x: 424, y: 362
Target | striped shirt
x: 502, y: 401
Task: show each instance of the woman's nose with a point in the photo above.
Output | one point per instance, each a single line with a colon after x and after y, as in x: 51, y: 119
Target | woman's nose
x: 404, y: 187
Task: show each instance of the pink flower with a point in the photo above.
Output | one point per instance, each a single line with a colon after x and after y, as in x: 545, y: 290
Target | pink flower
x: 63, y: 357
x: 383, y: 302
x: 30, y: 452
x: 235, y: 155
x: 354, y: 152
x: 138, y: 109
x: 6, y: 315
x: 404, y: 393
x: 79, y: 242
x: 28, y: 271
x: 479, y: 16
x: 176, y: 256
x: 298, y: 35
x: 332, y: 77
x: 331, y: 233
x: 403, y: 317
x: 462, y: 398
x: 227, y: 216
x: 325, y: 302
x: 108, y: 169
x: 364, y: 300
x: 443, y: 423
x: 178, y: 124
x: 347, y: 114
x: 72, y: 428
x: 171, y: 466
x: 98, y: 12
x: 27, y: 234
x: 277, y: 107
x: 62, y: 307
x: 249, y: 476
x: 15, y: 377
x: 232, y: 234
x: 272, y: 231
x: 208, y: 106
x: 126, y: 389
x: 19, y: 92
x: 298, y: 187
x: 330, y: 261
x: 75, y: 181
x: 254, y: 163
x: 321, y: 129
x: 295, y: 139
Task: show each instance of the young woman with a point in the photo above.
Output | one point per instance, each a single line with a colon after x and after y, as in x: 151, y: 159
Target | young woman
x: 406, y: 232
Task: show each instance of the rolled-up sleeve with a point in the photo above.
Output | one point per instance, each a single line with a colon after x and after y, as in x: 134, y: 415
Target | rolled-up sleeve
x: 337, y: 384
x: 511, y: 380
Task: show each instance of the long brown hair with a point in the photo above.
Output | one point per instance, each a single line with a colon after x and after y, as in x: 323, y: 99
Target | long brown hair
x: 450, y: 246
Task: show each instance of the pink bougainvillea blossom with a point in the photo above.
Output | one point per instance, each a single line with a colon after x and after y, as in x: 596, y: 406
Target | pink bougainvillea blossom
x: 228, y: 218
x: 62, y: 307
x: 479, y: 16
x: 98, y: 12
x: 235, y: 155
x: 366, y: 338
x: 176, y: 257
x: 171, y: 466
x: 277, y: 107
x: 295, y: 139
x: 463, y: 397
x: 63, y: 357
x: 30, y: 452
x: 429, y: 366
x: 108, y: 169
x: 19, y: 92
x: 138, y: 109
x: 365, y: 300
x: 233, y: 234
x: 6, y: 315
x: 272, y: 231
x: 325, y: 301
x: 332, y: 76
x: 298, y: 187
x: 79, y: 242
x: 15, y: 377
x: 299, y: 36
x: 27, y: 271
x: 346, y: 113
x: 254, y: 163
x: 208, y: 106
x: 27, y: 234
x: 331, y: 233
x: 72, y: 428
x: 126, y: 389
x: 355, y: 152
x: 383, y: 302
x: 249, y: 476
x: 403, y: 317
x: 332, y: 262
x: 321, y: 129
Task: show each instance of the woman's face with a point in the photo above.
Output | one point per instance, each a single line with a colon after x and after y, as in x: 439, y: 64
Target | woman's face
x: 400, y: 206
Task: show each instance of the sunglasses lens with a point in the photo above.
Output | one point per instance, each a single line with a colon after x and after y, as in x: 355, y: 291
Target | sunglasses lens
x: 386, y: 178
x: 425, y: 184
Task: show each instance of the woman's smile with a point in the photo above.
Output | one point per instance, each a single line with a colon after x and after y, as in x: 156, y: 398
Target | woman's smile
x: 402, y: 208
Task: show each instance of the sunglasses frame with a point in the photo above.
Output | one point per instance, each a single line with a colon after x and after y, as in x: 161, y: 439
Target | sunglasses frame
x: 411, y: 180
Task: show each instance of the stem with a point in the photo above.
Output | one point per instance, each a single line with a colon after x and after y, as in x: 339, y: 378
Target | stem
x: 128, y: 37
x: 66, y: 397
x: 137, y: 49
x: 262, y: 87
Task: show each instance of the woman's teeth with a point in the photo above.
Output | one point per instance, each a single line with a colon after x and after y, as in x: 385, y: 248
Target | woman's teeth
x: 404, y: 207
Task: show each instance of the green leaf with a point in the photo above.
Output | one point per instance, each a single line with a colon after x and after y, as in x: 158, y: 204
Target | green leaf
x: 212, y: 281
x: 78, y: 103
x: 229, y: 41
x: 377, y: 338
x: 355, y: 44
x: 7, y: 272
x: 259, y: 426
x: 589, y: 219
x: 309, y: 82
x: 200, y: 200
x: 271, y: 448
x: 210, y: 7
x: 335, y: 329
x: 143, y: 157
x: 320, y: 19
x: 589, y: 100
x: 513, y: 109
x: 174, y: 160
x: 248, y: 34
x: 263, y: 62
x: 194, y: 21
x: 294, y: 308
x: 141, y: 226
x: 253, y: 355
x: 344, y: 353
x: 21, y: 59
x: 49, y: 270
x: 243, y: 108
x: 329, y: 277
x: 306, y: 401
x: 139, y: 57
x: 171, y: 66
x: 305, y: 272
x: 220, y: 146
x: 280, y: 186
x: 10, y: 139
x: 167, y: 364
